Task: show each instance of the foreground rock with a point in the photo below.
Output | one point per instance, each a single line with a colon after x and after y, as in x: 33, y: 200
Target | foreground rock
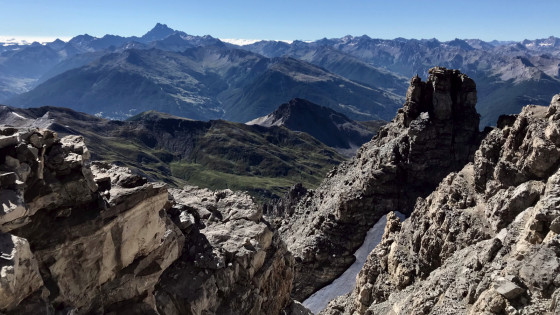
x: 77, y: 237
x: 232, y: 262
x: 485, y: 242
x: 436, y: 132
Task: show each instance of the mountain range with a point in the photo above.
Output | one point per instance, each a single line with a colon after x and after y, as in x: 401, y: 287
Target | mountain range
x: 332, y: 128
x: 265, y: 161
x: 482, y: 234
x: 206, y: 82
x: 201, y: 77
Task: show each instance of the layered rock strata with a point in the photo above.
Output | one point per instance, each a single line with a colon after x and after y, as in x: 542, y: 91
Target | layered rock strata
x: 486, y: 241
x: 435, y: 132
x: 81, y: 237
x: 78, y: 240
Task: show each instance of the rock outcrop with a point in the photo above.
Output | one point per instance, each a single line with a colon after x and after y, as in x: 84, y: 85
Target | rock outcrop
x: 435, y: 133
x: 232, y: 263
x: 81, y: 237
x: 486, y: 241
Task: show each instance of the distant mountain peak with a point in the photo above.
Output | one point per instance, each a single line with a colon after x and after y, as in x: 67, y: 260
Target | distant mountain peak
x: 326, y: 125
x: 160, y: 31
x: 160, y: 26
x: 82, y: 38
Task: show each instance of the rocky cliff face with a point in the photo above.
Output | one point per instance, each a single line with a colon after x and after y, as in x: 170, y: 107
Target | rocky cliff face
x: 434, y: 133
x: 486, y: 241
x: 232, y: 262
x: 77, y: 237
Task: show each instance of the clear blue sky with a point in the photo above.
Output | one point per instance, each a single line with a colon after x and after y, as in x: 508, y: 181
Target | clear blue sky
x: 287, y: 19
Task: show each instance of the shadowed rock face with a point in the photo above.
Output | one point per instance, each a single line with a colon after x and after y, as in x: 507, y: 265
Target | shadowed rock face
x: 83, y: 237
x: 486, y: 241
x: 436, y: 132
x: 326, y: 125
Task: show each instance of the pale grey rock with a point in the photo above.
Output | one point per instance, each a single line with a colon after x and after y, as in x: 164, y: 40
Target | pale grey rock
x: 508, y: 289
x: 483, y: 242
x: 91, y: 238
x: 232, y: 263
x: 8, y: 140
x: 19, y: 272
x: 435, y: 132
x: 489, y: 302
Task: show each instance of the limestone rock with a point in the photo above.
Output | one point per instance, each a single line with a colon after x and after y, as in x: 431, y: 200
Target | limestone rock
x: 508, y: 289
x: 233, y: 263
x: 484, y: 242
x: 91, y: 238
x: 435, y: 132
x: 19, y: 272
x: 489, y: 302
x: 81, y: 266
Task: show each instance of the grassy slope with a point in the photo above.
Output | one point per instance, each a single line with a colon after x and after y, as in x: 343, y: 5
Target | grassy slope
x: 216, y: 154
x: 263, y: 161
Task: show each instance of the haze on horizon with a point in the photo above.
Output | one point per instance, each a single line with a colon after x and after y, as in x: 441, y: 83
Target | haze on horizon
x: 286, y: 20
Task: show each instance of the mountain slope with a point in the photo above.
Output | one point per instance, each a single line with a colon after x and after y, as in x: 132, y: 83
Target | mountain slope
x: 215, y: 154
x: 435, y: 132
x: 486, y: 241
x: 508, y: 75
x: 330, y: 127
x: 340, y: 63
x: 22, y: 67
x: 204, y: 83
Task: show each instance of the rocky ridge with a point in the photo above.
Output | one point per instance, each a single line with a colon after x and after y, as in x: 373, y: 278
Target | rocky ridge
x: 486, y: 241
x: 219, y: 154
x: 326, y: 125
x: 81, y: 237
x: 435, y: 133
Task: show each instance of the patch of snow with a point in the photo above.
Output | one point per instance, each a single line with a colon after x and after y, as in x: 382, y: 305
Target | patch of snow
x: 18, y: 115
x: 346, y: 282
x: 265, y: 121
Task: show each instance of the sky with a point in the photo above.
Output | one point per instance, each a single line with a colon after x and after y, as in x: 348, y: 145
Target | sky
x: 285, y: 20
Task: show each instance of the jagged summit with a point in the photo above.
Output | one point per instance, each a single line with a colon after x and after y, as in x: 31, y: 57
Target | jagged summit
x: 328, y: 126
x: 486, y: 241
x: 435, y: 133
x: 447, y: 94
x: 160, y: 31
